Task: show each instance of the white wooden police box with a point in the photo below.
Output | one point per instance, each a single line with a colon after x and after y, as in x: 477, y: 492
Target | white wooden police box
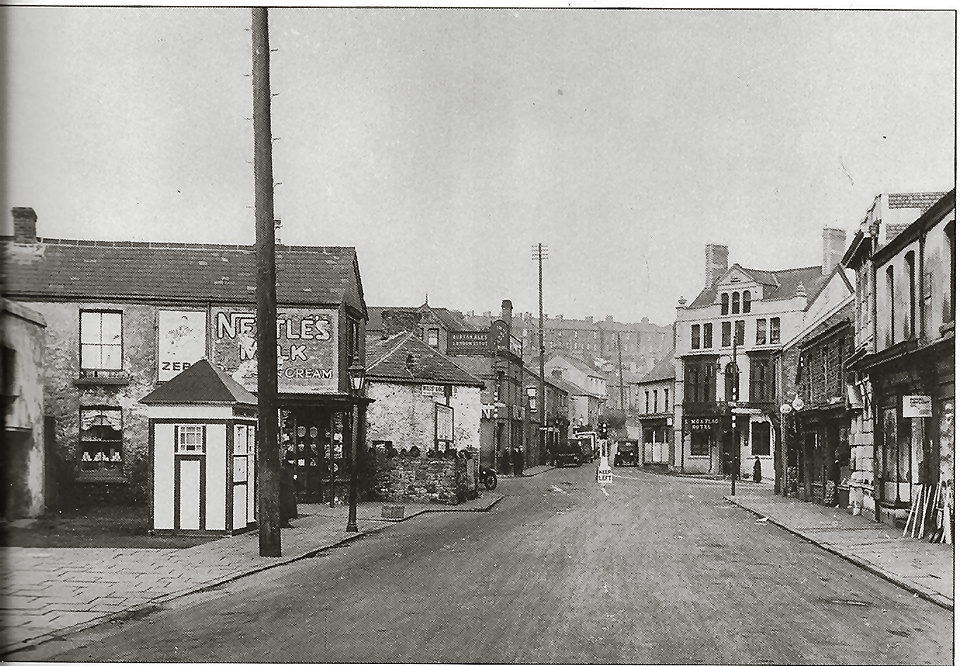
x: 203, y: 433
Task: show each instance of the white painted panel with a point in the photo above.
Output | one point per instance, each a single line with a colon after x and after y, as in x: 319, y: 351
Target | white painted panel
x: 163, y: 476
x: 218, y: 485
x: 251, y: 475
x: 206, y: 412
x: 189, y: 493
x: 239, y: 506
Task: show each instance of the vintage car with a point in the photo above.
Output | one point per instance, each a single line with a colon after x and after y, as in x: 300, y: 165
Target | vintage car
x: 626, y: 454
x: 567, y: 454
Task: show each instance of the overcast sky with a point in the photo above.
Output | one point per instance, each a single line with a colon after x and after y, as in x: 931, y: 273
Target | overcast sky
x: 444, y: 144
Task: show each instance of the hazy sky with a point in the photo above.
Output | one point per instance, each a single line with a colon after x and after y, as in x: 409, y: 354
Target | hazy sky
x: 443, y: 144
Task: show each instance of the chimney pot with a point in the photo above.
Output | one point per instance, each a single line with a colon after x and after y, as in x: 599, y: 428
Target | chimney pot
x: 24, y: 225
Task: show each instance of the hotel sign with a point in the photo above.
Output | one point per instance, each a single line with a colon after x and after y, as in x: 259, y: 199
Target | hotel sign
x: 306, y: 348
x: 703, y: 422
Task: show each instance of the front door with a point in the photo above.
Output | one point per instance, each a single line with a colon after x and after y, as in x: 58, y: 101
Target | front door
x: 312, y: 441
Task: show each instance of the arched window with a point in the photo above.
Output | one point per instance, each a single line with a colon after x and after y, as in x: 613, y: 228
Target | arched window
x: 746, y: 302
x: 724, y: 304
x: 735, y: 305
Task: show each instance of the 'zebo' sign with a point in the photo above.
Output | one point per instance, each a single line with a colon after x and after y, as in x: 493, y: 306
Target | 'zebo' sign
x: 306, y: 348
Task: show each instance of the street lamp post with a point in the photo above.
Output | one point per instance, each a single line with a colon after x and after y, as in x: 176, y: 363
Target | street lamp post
x: 357, y: 374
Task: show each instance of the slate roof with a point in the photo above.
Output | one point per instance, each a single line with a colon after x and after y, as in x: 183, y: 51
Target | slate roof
x: 578, y: 364
x: 386, y: 361
x: 450, y: 319
x: 568, y: 386
x: 103, y: 270
x: 777, y: 284
x: 664, y: 369
x: 201, y: 382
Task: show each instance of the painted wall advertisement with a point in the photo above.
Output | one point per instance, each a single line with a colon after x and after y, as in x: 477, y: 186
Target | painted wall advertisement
x: 306, y: 348
x: 182, y: 341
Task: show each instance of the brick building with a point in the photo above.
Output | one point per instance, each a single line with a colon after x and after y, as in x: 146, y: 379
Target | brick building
x: 727, y: 342
x: 123, y: 317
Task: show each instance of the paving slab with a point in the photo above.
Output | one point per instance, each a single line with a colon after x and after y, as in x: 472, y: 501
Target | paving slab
x: 924, y: 568
x: 51, y: 592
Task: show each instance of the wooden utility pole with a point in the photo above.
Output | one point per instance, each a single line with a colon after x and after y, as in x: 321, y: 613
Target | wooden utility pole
x: 620, y: 368
x: 540, y: 253
x: 268, y: 449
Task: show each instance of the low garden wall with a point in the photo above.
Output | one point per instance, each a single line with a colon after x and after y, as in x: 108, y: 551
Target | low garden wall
x: 424, y: 480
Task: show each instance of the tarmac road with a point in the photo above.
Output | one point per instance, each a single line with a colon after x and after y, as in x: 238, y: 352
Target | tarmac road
x: 651, y: 569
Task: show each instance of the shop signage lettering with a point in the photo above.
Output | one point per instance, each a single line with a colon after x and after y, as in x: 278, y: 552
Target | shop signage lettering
x: 703, y: 422
x: 306, y: 348
x: 917, y: 406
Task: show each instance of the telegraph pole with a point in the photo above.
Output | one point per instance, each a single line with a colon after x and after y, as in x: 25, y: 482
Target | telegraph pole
x: 540, y: 253
x: 620, y: 367
x: 268, y: 450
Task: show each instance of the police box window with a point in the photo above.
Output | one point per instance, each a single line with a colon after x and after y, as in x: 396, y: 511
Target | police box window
x: 101, y: 443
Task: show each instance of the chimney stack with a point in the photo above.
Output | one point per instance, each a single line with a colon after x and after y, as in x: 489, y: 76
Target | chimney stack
x: 506, y: 314
x: 834, y: 245
x: 717, y: 257
x: 24, y: 226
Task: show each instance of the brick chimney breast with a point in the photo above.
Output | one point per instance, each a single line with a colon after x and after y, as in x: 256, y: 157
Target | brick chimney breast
x: 717, y: 258
x: 24, y: 226
x: 834, y: 246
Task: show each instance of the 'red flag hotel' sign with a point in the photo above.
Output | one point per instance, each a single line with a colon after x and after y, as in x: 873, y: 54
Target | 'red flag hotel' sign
x: 306, y: 346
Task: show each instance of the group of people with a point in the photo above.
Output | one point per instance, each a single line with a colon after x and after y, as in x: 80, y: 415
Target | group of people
x: 513, y: 457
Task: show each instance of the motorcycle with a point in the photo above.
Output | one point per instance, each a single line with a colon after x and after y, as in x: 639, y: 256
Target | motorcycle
x: 488, y: 477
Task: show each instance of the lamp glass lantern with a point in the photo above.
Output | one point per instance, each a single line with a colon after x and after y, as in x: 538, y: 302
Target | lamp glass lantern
x: 357, y: 373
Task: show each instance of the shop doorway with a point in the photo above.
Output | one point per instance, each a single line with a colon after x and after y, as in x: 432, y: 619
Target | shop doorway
x: 312, y: 440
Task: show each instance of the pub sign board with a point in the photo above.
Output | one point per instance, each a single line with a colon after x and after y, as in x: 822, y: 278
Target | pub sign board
x: 307, y: 357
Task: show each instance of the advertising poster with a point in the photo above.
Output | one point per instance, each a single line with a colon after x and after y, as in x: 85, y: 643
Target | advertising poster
x: 182, y: 341
x: 306, y: 348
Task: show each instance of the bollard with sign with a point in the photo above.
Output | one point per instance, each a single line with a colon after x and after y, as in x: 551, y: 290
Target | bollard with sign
x: 604, y: 473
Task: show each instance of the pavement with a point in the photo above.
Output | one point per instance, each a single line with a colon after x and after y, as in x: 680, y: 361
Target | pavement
x: 47, y: 593
x: 924, y: 568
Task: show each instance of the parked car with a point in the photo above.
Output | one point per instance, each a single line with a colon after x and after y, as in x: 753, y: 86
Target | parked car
x: 567, y: 454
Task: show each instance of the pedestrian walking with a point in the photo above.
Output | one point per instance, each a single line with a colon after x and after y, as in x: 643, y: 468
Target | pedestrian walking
x: 756, y: 470
x: 517, y: 461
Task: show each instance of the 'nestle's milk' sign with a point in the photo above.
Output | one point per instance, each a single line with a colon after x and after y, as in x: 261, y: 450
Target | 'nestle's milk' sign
x: 306, y: 348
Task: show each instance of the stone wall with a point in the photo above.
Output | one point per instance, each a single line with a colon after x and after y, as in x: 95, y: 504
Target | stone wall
x: 423, y: 479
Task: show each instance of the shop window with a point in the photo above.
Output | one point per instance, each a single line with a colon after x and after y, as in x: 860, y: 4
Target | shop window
x: 896, y: 458
x: 746, y: 302
x: 760, y: 439
x: 725, y: 334
x: 707, y: 336
x: 695, y: 336
x: 101, y: 443
x: 761, y: 380
x: 100, y: 340
x: 190, y: 439
x: 775, y: 330
x: 699, y: 443
x: 724, y: 304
